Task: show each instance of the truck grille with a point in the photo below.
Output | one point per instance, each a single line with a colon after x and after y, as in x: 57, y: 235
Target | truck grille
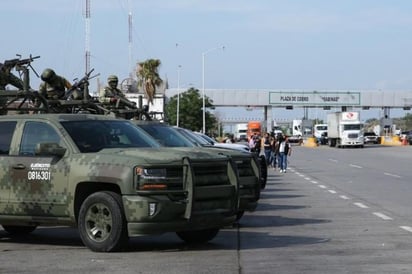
x: 353, y: 135
x: 215, y: 187
x: 249, y: 184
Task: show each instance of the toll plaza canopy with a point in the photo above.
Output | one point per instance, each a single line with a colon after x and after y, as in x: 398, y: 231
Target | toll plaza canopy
x: 306, y: 98
x: 292, y: 98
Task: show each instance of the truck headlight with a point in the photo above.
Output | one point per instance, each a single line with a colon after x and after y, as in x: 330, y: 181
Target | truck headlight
x: 151, y: 178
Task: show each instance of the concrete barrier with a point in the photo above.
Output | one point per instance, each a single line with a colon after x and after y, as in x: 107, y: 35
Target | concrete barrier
x: 310, y: 142
x: 391, y: 141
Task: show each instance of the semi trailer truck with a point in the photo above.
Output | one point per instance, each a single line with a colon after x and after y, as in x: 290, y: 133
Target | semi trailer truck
x: 345, y: 129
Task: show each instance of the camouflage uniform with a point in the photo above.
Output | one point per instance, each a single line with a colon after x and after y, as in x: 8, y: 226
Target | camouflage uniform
x: 53, y: 85
x: 110, y: 93
x: 7, y: 78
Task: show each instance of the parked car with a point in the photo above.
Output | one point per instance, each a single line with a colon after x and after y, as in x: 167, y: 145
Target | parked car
x: 408, y: 136
x: 211, y: 141
x: 370, y: 138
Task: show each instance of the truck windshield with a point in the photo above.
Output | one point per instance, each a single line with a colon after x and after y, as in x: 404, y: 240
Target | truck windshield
x: 352, y: 127
x: 95, y: 135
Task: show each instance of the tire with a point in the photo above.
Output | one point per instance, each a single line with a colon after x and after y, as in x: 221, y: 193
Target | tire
x: 18, y: 230
x: 198, y: 236
x: 102, y: 224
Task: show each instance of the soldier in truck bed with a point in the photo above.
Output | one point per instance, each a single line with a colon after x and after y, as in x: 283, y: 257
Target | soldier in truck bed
x: 8, y: 78
x: 111, y: 93
x: 114, y: 99
x: 53, y: 85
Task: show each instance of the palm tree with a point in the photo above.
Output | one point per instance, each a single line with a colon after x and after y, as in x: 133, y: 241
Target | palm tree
x: 148, y: 77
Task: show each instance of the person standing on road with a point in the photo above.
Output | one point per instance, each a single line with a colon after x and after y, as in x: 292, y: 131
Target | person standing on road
x: 285, y: 150
x: 273, y: 152
x: 252, y: 142
x: 266, y: 147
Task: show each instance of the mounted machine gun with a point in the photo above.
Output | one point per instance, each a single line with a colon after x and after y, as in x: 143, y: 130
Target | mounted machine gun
x: 26, y: 100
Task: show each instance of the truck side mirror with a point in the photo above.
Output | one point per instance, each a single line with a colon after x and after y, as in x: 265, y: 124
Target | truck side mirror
x: 49, y: 149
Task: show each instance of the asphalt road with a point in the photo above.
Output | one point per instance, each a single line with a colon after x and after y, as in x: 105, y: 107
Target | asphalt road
x: 334, y: 211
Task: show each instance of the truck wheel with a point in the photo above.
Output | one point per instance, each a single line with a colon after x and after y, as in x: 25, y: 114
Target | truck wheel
x: 19, y: 230
x: 198, y: 236
x: 102, y: 225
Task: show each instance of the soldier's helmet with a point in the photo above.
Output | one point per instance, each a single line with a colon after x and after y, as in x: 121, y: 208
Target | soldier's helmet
x: 47, y: 74
x: 112, y: 78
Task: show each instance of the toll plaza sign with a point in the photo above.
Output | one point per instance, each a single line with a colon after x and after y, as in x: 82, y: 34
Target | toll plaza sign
x: 314, y: 98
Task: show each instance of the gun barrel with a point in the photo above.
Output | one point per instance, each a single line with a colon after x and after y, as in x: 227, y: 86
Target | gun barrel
x: 127, y: 103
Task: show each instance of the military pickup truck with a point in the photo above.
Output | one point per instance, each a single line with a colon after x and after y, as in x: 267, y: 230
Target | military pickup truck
x: 109, y: 179
x: 247, y: 163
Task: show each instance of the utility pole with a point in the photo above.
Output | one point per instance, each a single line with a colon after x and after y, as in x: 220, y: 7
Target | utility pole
x: 130, y: 41
x: 87, y: 34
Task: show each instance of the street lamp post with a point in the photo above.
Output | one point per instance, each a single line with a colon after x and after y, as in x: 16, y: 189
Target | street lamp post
x: 178, y: 95
x: 203, y: 84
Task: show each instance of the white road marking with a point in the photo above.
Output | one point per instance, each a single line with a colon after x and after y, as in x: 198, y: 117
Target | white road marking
x: 360, y: 205
x: 356, y: 166
x: 382, y: 216
x: 307, y: 178
x: 344, y: 197
x: 407, y: 228
x: 321, y: 186
x: 301, y: 175
x: 332, y: 191
x: 314, y: 182
x: 392, y: 175
x: 333, y: 160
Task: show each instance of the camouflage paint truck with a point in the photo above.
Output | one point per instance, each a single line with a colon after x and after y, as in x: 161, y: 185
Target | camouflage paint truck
x: 110, y: 179
x: 247, y: 163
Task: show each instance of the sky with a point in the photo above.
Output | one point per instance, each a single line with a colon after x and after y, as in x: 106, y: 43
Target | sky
x: 268, y: 44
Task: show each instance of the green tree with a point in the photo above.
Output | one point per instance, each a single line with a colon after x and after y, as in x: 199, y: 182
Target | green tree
x: 148, y: 77
x: 408, y: 121
x: 190, y: 111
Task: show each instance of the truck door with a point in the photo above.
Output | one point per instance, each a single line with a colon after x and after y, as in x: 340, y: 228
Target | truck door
x: 6, y: 134
x: 38, y: 183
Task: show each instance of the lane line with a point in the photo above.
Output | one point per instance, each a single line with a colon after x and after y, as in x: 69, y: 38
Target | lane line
x: 407, y: 228
x: 356, y: 166
x: 314, y: 182
x: 382, y: 216
x: 332, y: 191
x: 333, y: 160
x: 321, y: 186
x: 307, y: 178
x: 392, y: 175
x: 344, y: 197
x: 360, y: 205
